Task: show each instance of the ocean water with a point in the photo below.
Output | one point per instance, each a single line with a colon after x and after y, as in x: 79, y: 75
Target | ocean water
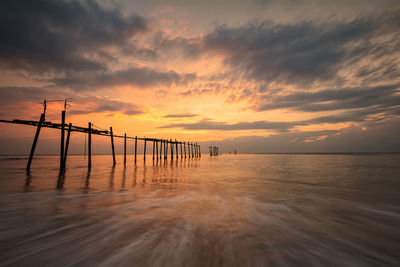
x: 230, y: 210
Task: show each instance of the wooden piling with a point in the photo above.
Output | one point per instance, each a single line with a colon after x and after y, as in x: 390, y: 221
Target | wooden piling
x: 199, y: 151
x: 172, y: 149
x: 166, y: 149
x: 154, y: 146
x: 62, y: 140
x: 181, y: 151
x: 135, y: 148
x: 176, y: 146
x: 161, y: 145
x: 89, y: 145
x: 41, y: 120
x: 67, y: 144
x: 112, y: 145
x: 144, y: 150
x: 124, y: 149
x: 191, y: 146
x: 184, y: 147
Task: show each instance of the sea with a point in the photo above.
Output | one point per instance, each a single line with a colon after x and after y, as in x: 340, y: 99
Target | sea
x: 227, y: 210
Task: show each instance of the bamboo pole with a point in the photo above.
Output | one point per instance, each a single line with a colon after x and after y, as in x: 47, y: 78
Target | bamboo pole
x: 89, y: 145
x: 144, y: 150
x: 62, y: 140
x: 124, y: 149
x: 135, y: 148
x: 154, y: 146
x: 176, y: 147
x: 41, y: 120
x: 67, y: 144
x: 112, y: 145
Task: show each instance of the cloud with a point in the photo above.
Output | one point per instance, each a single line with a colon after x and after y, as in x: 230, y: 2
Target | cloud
x: 48, y: 35
x: 25, y: 100
x: 223, y: 126
x: 135, y: 76
x: 172, y: 116
x: 334, y: 99
x: 101, y: 105
x: 380, y: 138
x: 304, y: 52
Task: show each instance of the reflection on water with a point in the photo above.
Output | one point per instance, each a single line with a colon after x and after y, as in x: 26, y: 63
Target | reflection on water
x: 232, y: 210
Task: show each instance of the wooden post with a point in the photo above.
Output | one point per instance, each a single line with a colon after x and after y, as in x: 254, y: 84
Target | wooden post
x: 191, y: 145
x: 161, y: 143
x: 172, y: 149
x: 67, y: 144
x: 166, y: 149
x: 112, y: 145
x: 144, y: 151
x: 176, y: 146
x: 199, y: 151
x: 124, y: 149
x: 62, y: 140
x: 89, y: 145
x: 184, y: 147
x: 41, y: 120
x: 154, y: 147
x: 135, y: 148
x: 156, y: 144
x: 181, y: 151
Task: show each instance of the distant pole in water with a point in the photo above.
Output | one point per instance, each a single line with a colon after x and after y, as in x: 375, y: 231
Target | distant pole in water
x: 160, y: 148
x: 62, y: 140
x: 89, y: 145
x: 176, y: 146
x: 144, y: 150
x: 181, y: 151
x: 199, y: 151
x: 41, y: 120
x: 124, y: 149
x: 184, y: 147
x: 172, y: 149
x: 191, y: 144
x: 112, y: 145
x: 156, y: 144
x: 166, y: 149
x: 135, y: 148
x: 154, y: 147
x: 67, y: 144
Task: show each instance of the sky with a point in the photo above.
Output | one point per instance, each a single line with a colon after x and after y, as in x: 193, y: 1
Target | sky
x: 259, y: 76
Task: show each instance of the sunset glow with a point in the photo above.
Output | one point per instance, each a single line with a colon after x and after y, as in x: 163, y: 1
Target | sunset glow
x: 216, y: 72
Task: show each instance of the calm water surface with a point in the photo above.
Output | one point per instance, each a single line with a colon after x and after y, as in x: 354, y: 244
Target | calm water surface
x: 231, y: 210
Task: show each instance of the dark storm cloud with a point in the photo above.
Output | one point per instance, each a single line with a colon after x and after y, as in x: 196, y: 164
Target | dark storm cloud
x: 334, y: 99
x: 138, y: 76
x: 304, y: 52
x: 46, y: 35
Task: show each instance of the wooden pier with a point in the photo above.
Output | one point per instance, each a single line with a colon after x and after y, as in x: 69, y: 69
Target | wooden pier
x: 192, y: 149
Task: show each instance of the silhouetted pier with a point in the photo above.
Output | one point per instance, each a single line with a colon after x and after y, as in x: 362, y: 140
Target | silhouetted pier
x: 159, y: 146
